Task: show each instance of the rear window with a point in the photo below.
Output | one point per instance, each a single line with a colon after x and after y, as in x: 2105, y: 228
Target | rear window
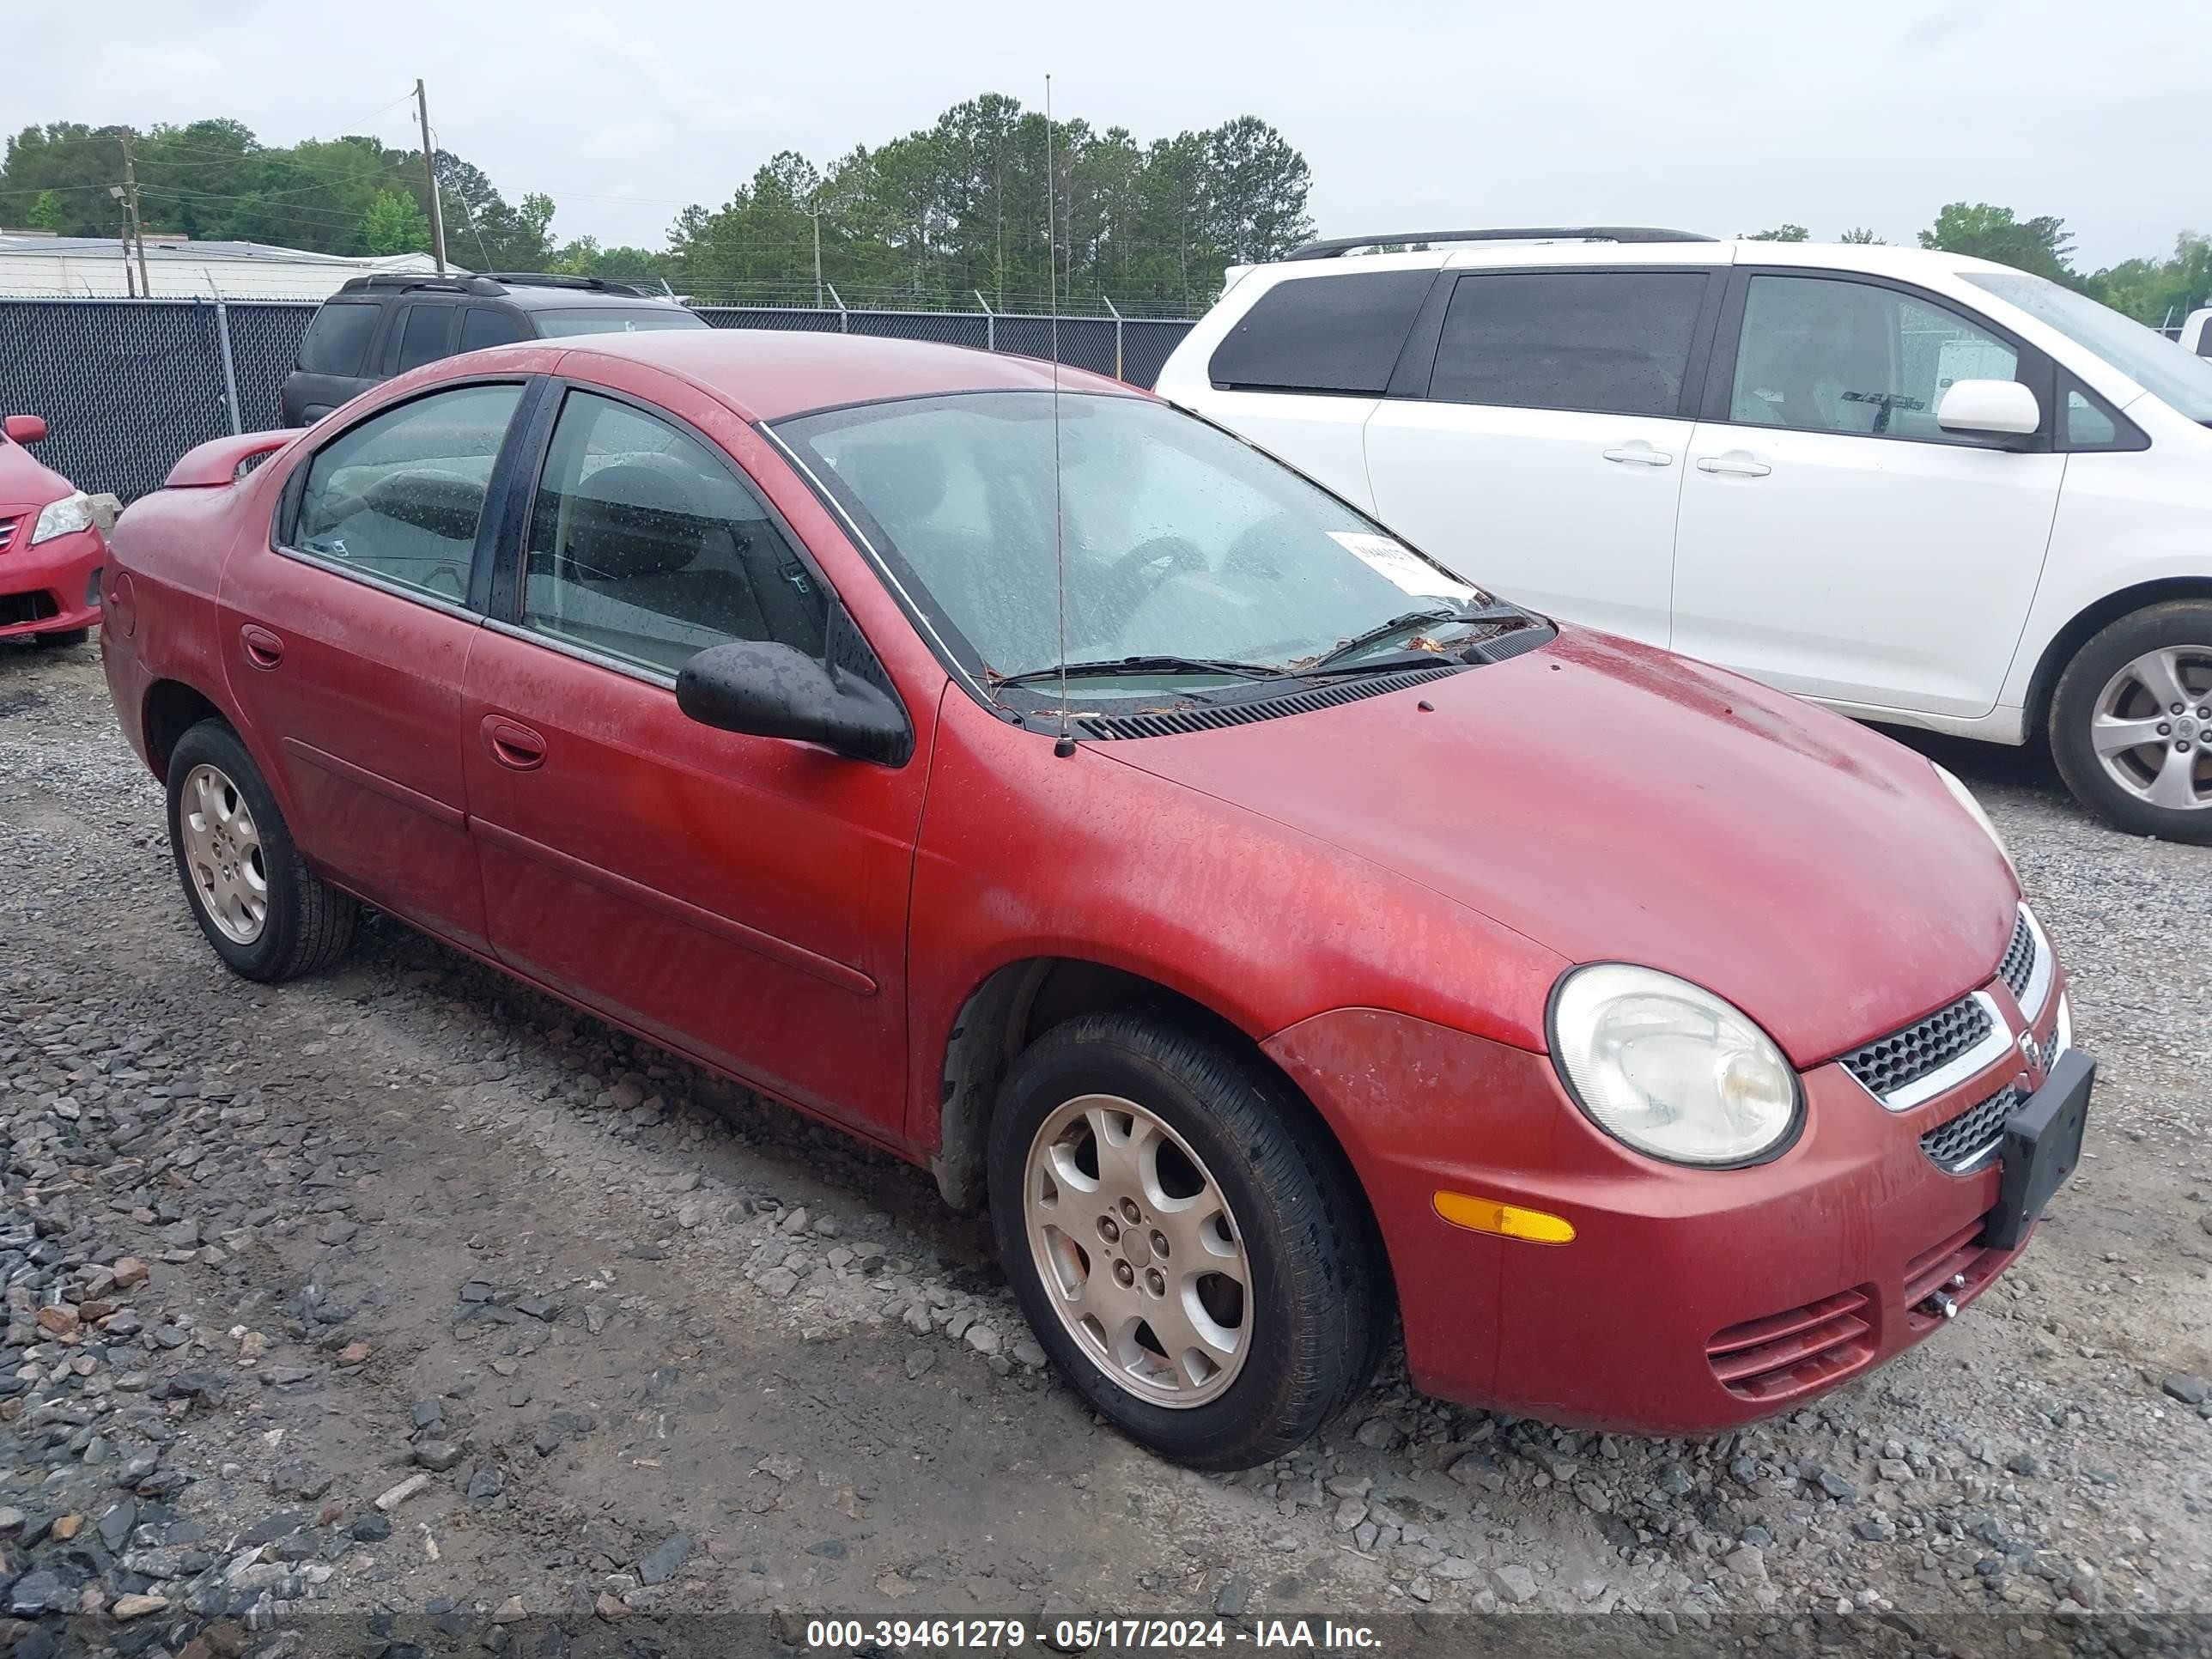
x: 1610, y: 342
x: 1340, y: 334
x: 424, y: 331
x: 616, y: 319
x: 336, y: 341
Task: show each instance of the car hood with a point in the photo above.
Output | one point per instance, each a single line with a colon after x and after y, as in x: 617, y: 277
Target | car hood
x: 1616, y: 803
x: 24, y: 482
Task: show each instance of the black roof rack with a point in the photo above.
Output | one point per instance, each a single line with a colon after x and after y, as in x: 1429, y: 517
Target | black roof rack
x: 1337, y: 245
x: 495, y: 281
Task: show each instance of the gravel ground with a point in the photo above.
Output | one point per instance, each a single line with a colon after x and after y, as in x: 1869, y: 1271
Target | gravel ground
x: 403, y: 1294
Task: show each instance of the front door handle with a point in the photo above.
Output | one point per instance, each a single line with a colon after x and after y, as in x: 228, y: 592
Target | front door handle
x: 263, y: 649
x: 1735, y: 464
x: 1638, y: 453
x: 512, y: 745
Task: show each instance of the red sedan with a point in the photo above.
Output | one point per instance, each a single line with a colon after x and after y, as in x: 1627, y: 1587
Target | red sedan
x: 51, y: 549
x: 1282, y: 934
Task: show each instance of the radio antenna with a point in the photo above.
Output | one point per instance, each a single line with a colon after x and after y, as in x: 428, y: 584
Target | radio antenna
x: 1065, y: 745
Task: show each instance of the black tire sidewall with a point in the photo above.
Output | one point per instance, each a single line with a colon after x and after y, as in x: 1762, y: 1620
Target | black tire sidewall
x: 2073, y: 705
x: 214, y: 744
x: 1271, y: 1405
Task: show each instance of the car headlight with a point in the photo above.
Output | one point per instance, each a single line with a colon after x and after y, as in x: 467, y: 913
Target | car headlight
x: 1964, y: 797
x: 65, y: 517
x: 1671, y: 1069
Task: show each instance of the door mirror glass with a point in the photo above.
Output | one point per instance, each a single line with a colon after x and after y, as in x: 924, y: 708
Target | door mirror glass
x: 764, y: 690
x: 26, y: 428
x: 1995, y: 408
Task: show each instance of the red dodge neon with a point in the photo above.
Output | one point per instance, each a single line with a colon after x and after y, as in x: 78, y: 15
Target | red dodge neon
x: 1281, y: 933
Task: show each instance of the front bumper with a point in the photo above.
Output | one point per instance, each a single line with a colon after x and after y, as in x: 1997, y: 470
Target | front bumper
x: 1688, y: 1301
x: 51, y: 588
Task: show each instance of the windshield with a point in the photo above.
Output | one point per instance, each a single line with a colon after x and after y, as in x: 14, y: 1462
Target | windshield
x: 616, y: 319
x: 1181, y: 541
x: 2143, y: 354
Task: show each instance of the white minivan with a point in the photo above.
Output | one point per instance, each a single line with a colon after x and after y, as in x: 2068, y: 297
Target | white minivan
x: 1916, y: 487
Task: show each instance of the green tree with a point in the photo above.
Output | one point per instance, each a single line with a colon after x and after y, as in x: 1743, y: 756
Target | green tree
x: 2157, y: 291
x: 1781, y: 233
x: 2043, y: 245
x: 395, y: 224
x: 1861, y: 235
x: 47, y: 212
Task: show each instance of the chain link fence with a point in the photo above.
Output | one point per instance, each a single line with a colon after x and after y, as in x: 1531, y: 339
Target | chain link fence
x: 128, y: 386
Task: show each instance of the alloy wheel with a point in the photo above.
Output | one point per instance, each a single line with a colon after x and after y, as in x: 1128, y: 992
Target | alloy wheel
x: 222, y: 853
x: 2152, y: 727
x: 1137, y: 1251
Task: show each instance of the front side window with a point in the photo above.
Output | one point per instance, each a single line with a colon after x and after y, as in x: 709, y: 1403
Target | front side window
x: 1822, y: 354
x: 1180, y: 540
x: 399, y: 496
x: 337, y: 341
x: 2143, y: 354
x: 426, y: 333
x: 644, y: 546
x: 616, y: 319
x: 1609, y: 341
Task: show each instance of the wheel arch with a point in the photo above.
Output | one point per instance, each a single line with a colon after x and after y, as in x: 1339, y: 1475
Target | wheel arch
x: 2085, y: 626
x: 170, y: 708
x: 1019, y: 1002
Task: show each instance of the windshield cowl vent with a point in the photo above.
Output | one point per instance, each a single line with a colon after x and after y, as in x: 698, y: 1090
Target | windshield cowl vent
x: 1206, y: 717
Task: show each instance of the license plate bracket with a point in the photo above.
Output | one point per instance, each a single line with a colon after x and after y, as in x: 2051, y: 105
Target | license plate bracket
x: 2041, y: 1144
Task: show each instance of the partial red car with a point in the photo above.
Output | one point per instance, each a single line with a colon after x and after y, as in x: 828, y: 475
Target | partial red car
x: 1283, y: 934
x: 50, y: 549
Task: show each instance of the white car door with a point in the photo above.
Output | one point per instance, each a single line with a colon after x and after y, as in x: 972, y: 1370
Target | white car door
x: 1833, y: 540
x: 1547, y: 458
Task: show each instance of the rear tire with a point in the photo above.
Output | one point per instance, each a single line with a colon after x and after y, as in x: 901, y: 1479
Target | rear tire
x: 268, y: 916
x: 64, y: 640
x: 1270, y: 1292
x: 2125, y: 750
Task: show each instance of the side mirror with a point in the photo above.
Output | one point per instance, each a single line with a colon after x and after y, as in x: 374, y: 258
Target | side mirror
x: 1999, y: 408
x: 768, y: 690
x: 26, y: 428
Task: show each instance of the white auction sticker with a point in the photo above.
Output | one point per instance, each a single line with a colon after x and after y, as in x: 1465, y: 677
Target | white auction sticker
x: 1397, y: 563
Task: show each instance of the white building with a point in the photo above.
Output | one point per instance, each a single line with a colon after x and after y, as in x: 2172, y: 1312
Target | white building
x: 39, y: 266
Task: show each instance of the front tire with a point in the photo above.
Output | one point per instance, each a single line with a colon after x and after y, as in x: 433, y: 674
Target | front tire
x: 2131, y: 722
x: 268, y: 916
x: 1188, y: 1246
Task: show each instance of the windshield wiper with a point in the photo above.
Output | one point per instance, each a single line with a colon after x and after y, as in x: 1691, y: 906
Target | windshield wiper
x: 1335, y: 661
x: 1120, y: 668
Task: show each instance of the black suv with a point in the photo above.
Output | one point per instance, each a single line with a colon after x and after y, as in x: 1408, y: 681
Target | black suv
x: 375, y: 327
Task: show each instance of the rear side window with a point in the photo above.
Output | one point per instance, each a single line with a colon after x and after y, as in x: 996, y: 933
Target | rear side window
x: 616, y: 319
x: 1336, y: 334
x: 337, y: 341
x: 425, y: 333
x: 482, y: 326
x: 1608, y: 342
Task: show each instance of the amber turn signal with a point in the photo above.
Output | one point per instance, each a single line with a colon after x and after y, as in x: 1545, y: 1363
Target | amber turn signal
x: 1487, y: 1215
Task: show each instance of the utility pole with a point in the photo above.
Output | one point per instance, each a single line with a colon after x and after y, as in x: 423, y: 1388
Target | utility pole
x: 816, y: 210
x: 137, y: 226
x: 430, y: 170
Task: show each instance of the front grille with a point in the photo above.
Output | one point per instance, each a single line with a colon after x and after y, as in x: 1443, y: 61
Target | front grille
x: 1903, y: 1058
x: 7, y: 532
x: 1968, y: 1140
x: 1770, y: 1359
x: 2018, y: 968
x: 16, y: 608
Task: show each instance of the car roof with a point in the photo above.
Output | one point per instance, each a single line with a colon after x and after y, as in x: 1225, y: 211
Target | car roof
x: 530, y: 295
x: 770, y: 374
x: 1874, y: 259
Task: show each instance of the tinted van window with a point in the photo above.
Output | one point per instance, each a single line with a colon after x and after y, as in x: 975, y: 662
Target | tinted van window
x: 337, y: 341
x: 1323, y: 334
x: 1610, y: 342
x: 483, y: 326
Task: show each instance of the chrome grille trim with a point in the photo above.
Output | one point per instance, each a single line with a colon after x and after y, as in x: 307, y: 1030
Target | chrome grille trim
x: 1964, y: 1143
x: 7, y: 532
x: 1995, y: 1042
x: 2041, y: 969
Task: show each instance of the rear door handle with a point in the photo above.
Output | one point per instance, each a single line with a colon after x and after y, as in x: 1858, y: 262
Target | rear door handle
x: 512, y: 745
x: 1734, y: 465
x: 1639, y: 454
x: 263, y: 649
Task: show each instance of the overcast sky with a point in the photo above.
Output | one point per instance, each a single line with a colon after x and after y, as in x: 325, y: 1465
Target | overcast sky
x: 1428, y: 115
